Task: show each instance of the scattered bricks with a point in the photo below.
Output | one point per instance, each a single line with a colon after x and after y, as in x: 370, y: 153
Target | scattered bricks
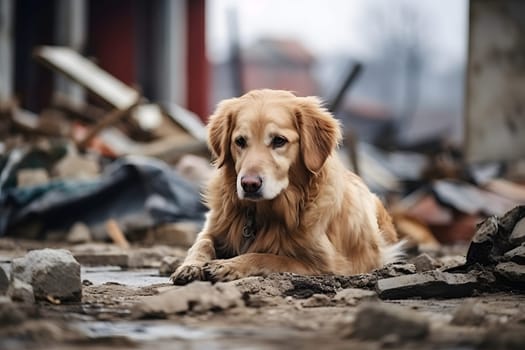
x: 197, y: 297
x: 375, y: 321
x: 51, y: 272
x: 169, y: 264
x: 516, y: 255
x: 427, y: 285
x: 424, y: 262
x: 79, y: 233
x: 4, y: 281
x: 469, y: 313
x: 352, y: 296
x: 21, y: 291
x: 518, y: 233
x: 511, y: 272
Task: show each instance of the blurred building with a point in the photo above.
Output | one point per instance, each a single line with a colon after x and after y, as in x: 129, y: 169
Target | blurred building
x: 156, y: 46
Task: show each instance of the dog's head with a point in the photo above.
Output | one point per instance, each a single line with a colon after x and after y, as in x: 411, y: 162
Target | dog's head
x: 265, y: 133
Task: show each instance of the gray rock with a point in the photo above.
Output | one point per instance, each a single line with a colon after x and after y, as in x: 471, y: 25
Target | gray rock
x: 4, y: 281
x: 169, y: 264
x: 516, y: 255
x: 424, y: 262
x: 21, y: 291
x: 517, y: 235
x: 195, y: 297
x: 352, y: 296
x: 51, y: 272
x: 511, y: 271
x: 375, y: 321
x: 469, y: 313
x: 427, y: 285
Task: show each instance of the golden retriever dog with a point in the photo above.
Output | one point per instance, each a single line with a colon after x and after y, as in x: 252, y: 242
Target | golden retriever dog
x: 281, y: 200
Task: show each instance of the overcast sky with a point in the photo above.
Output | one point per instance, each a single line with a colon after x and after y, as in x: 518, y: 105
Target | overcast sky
x: 334, y: 26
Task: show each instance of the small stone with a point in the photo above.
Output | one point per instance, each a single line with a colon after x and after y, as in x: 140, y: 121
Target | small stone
x: 469, y: 313
x: 516, y: 255
x: 79, y: 233
x: 424, y: 262
x: 169, y: 264
x: 375, y: 321
x: 51, y: 272
x: 511, y: 271
x: 427, y: 285
x: 352, y: 296
x: 195, y: 297
x: 4, y: 281
x: 517, y: 235
x: 21, y: 291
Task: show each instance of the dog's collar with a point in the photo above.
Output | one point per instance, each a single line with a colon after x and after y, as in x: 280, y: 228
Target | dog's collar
x: 249, y: 230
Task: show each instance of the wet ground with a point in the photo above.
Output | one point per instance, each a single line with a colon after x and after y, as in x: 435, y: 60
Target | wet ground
x: 265, y: 316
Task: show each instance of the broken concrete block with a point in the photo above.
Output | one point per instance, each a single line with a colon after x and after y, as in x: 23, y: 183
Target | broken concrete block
x: 4, y: 281
x: 375, y: 321
x: 424, y: 262
x: 469, y: 313
x: 79, y: 233
x: 195, y: 297
x: 427, y: 285
x: 21, y: 291
x: 516, y: 255
x: 480, y: 248
x: 511, y: 272
x: 169, y: 264
x: 51, y: 272
x: 352, y: 296
x: 395, y: 269
x: 517, y: 235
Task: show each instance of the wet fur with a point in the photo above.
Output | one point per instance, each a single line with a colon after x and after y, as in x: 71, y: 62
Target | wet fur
x: 325, y: 221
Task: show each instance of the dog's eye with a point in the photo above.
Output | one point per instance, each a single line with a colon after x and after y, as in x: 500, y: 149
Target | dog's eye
x: 278, y: 141
x: 240, y: 141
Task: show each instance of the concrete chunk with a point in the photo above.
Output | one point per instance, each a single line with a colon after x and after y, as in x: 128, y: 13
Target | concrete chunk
x: 51, y: 272
x: 516, y: 255
x: 21, y: 291
x: 4, y: 281
x: 511, y: 272
x: 195, y: 297
x: 427, y: 285
x: 352, y: 296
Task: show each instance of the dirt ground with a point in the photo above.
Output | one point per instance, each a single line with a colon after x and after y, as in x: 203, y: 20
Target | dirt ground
x: 282, y: 311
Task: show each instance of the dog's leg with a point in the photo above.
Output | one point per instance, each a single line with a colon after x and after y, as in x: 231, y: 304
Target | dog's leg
x: 199, y: 254
x: 253, y: 264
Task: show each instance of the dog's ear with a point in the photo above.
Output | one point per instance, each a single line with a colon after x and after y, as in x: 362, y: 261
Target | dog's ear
x: 220, y: 127
x: 320, y: 132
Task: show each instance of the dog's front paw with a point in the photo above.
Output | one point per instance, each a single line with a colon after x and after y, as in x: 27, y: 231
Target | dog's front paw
x: 185, y: 274
x: 221, y: 271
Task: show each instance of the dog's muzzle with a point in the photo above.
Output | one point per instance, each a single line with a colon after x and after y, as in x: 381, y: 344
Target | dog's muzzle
x: 252, y: 186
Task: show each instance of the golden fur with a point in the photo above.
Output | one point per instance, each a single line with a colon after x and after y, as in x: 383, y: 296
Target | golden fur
x: 278, y: 169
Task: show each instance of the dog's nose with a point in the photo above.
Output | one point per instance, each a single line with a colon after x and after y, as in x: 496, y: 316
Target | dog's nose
x: 251, y: 184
